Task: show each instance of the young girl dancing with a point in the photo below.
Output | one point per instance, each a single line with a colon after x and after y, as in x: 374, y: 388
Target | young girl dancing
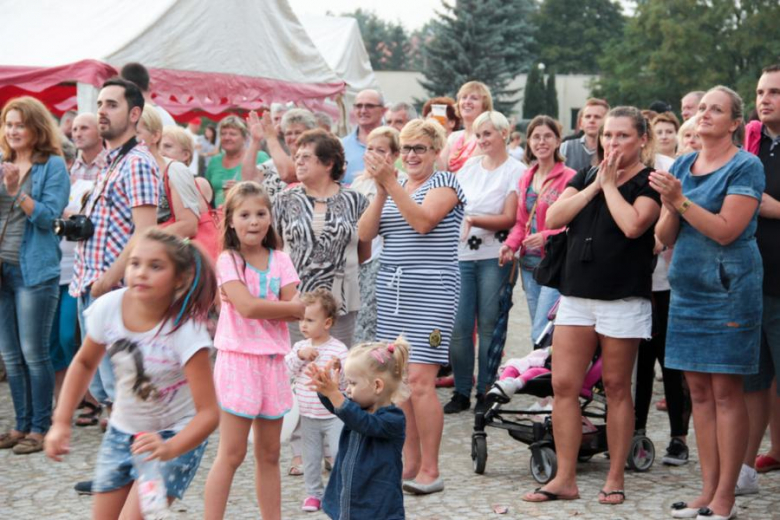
x: 258, y: 286
x: 154, y: 333
x: 366, y: 478
x: 317, y: 423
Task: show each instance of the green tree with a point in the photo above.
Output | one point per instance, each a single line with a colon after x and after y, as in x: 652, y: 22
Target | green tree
x: 572, y: 35
x: 535, y: 95
x: 387, y: 43
x: 485, y: 40
x: 551, y: 96
x: 671, y: 47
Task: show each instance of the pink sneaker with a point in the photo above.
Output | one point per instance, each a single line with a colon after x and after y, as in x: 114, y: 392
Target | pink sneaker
x: 311, y: 504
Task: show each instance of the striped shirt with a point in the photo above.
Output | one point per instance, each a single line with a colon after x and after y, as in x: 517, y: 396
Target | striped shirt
x: 132, y: 183
x: 406, y: 247
x: 309, y: 404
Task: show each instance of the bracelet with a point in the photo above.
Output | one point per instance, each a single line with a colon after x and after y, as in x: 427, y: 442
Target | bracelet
x: 684, y: 206
x: 23, y: 197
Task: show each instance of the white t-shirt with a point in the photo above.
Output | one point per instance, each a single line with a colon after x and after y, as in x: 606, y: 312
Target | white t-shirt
x: 152, y: 393
x: 193, y: 166
x: 486, y: 192
x: 68, y: 248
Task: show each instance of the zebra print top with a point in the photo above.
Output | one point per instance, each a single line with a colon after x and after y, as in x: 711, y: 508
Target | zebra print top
x: 327, y: 258
x: 406, y: 247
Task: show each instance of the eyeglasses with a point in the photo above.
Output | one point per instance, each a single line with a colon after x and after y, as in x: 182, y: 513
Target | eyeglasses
x: 366, y: 106
x: 304, y: 157
x: 418, y: 149
x: 543, y: 137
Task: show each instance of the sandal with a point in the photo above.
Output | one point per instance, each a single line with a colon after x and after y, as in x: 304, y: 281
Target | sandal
x: 91, y: 417
x: 604, y: 497
x: 8, y: 440
x: 28, y: 445
x: 295, y: 471
x: 547, y: 496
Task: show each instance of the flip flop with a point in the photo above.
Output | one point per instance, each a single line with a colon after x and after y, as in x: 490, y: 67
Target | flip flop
x: 89, y: 418
x: 295, y: 471
x: 604, y: 497
x: 548, y: 496
x: 766, y: 463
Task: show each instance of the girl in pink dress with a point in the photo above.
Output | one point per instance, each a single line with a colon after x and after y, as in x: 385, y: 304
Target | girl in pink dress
x: 258, y: 284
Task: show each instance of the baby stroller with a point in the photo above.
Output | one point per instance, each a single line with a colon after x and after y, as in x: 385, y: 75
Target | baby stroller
x: 534, y: 426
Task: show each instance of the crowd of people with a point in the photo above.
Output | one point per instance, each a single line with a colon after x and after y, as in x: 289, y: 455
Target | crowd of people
x: 180, y: 282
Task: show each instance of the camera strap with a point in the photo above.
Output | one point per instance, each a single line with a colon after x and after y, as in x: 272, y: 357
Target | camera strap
x: 126, y: 148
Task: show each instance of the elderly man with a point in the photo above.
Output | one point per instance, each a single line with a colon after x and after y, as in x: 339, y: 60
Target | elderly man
x: 399, y: 114
x: 580, y: 153
x: 690, y: 104
x: 368, y: 109
x: 66, y: 123
x: 92, y: 155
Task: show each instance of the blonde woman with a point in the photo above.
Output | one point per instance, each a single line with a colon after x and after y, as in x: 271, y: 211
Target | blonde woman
x: 473, y: 98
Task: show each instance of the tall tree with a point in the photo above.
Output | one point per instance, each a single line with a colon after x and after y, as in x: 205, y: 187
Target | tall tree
x: 551, y: 96
x: 535, y: 95
x: 573, y: 35
x: 673, y: 46
x: 485, y: 40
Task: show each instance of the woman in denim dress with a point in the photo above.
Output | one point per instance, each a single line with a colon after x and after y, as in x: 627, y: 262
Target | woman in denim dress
x: 710, y: 214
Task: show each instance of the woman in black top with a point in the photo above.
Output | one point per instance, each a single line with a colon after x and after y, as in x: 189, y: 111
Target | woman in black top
x: 605, y: 288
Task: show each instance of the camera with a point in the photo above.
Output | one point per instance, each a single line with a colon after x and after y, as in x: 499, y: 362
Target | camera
x: 74, y: 229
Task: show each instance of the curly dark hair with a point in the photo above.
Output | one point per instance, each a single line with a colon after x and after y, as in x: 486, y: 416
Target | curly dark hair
x: 328, y: 150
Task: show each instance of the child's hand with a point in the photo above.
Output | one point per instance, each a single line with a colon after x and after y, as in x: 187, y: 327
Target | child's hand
x: 308, y: 354
x: 57, y: 441
x: 151, y: 443
x: 324, y: 381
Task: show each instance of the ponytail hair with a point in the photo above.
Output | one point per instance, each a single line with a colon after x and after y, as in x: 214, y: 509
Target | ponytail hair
x: 642, y: 127
x: 195, y: 298
x: 388, y: 361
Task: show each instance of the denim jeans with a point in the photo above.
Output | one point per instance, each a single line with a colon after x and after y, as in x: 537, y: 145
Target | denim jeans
x: 26, y: 318
x: 540, y: 300
x: 480, y: 289
x: 102, y: 385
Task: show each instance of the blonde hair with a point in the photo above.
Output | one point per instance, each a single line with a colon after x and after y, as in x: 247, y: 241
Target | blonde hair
x: 425, y: 128
x: 233, y: 121
x: 689, y: 125
x: 388, y: 361
x: 38, y: 121
x: 497, y: 119
x: 151, y: 119
x: 181, y: 137
x: 481, y: 89
x: 389, y: 133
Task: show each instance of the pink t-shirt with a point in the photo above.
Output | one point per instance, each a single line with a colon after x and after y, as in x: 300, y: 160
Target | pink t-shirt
x: 253, y: 336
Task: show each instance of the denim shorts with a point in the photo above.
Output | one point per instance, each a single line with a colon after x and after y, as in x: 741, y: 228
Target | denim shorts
x: 769, y: 355
x: 115, y: 467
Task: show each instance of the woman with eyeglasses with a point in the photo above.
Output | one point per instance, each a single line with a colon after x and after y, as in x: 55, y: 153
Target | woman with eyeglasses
x: 418, y: 282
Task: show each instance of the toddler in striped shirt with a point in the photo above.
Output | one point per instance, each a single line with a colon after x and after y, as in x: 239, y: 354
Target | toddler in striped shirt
x: 317, y: 422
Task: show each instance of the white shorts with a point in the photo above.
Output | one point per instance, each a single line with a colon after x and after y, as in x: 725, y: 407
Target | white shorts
x: 624, y: 318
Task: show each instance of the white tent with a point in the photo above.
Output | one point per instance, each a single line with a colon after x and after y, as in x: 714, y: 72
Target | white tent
x: 207, y: 55
x: 339, y: 41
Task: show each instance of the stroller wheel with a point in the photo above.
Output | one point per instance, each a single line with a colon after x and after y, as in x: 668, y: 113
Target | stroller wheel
x: 479, y: 453
x: 544, y: 466
x: 641, y: 454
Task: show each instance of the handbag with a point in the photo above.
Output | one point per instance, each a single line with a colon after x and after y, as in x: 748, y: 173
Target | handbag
x: 208, y: 222
x: 550, y: 269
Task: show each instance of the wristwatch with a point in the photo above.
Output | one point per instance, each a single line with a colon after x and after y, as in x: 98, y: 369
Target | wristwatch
x: 21, y: 199
x: 684, y: 206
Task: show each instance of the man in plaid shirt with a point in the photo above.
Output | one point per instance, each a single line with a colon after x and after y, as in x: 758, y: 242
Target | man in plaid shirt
x: 123, y: 202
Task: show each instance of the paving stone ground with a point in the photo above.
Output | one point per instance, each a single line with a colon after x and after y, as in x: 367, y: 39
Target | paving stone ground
x: 33, y: 487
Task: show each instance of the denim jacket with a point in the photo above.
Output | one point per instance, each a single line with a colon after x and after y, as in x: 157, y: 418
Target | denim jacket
x: 366, y: 479
x: 40, y: 252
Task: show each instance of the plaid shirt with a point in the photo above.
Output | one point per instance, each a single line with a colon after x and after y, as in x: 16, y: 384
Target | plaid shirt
x: 133, y: 183
x: 88, y: 172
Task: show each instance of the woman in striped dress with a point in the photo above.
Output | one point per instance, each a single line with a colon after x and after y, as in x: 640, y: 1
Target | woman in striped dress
x: 418, y: 283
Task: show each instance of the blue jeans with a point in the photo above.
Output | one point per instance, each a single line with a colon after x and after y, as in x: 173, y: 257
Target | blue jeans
x: 102, y: 385
x: 540, y: 300
x: 480, y: 288
x: 26, y: 318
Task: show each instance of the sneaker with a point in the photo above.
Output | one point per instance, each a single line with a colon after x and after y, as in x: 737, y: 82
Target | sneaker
x: 676, y: 453
x: 311, y: 504
x: 83, y: 488
x: 502, y: 391
x: 457, y: 404
x: 481, y: 406
x: 747, y: 483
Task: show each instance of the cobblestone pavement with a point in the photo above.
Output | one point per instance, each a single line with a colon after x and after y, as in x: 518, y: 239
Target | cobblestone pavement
x: 33, y: 487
